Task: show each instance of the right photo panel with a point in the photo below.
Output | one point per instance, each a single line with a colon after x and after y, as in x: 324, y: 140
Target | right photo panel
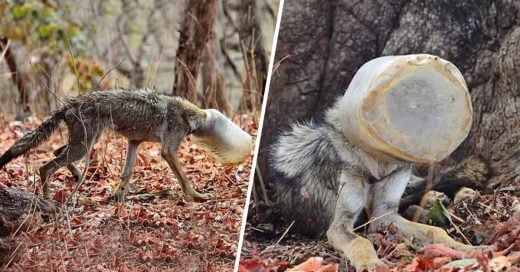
x: 390, y: 139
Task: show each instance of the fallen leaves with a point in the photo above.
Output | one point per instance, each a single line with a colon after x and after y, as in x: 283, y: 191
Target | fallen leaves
x: 153, y: 230
x: 256, y: 265
x: 437, y: 250
x: 314, y: 264
x: 499, y: 213
x: 421, y: 265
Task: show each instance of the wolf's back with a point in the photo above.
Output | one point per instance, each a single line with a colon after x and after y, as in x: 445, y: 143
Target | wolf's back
x: 33, y: 138
x: 305, y: 168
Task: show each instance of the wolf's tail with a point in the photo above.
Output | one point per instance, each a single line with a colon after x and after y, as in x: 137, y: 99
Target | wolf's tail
x: 33, y: 138
x: 472, y: 172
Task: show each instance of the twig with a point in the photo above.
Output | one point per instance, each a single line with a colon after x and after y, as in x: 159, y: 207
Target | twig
x: 460, y: 232
x: 255, y: 198
x: 280, y: 239
x: 257, y: 229
x: 490, y: 208
x: 48, y: 88
x: 5, y: 50
x: 73, y: 63
x: 229, y: 61
x: 285, y: 233
x: 262, y: 185
x: 456, y: 217
x: 477, y: 221
x: 11, y: 258
x: 372, y: 220
x: 108, y: 72
x: 151, y: 195
x: 123, y: 40
x: 190, y: 76
x: 278, y: 63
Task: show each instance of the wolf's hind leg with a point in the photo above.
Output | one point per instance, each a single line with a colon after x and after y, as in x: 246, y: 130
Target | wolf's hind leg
x: 78, y: 147
x: 426, y: 234
x: 131, y: 155
x: 386, y: 196
x: 69, y: 155
x: 72, y: 168
x: 351, y: 199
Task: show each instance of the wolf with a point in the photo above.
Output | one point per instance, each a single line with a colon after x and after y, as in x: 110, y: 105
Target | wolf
x: 324, y: 184
x: 140, y: 116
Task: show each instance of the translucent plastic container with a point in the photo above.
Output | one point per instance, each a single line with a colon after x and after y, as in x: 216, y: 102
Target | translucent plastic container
x: 223, y: 139
x: 413, y: 107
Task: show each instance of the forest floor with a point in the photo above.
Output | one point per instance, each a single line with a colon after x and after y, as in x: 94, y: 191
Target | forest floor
x: 492, y: 220
x: 155, y: 229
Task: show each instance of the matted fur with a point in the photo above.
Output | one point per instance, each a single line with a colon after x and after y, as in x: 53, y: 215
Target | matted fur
x: 139, y: 115
x: 306, y: 163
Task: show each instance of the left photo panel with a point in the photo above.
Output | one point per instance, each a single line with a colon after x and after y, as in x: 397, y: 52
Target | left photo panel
x: 127, y: 131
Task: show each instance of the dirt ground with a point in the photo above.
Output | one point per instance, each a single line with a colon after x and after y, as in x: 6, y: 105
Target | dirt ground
x: 155, y: 229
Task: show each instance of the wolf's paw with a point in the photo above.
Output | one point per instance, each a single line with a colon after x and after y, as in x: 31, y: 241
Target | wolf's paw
x: 373, y: 265
x: 197, y: 197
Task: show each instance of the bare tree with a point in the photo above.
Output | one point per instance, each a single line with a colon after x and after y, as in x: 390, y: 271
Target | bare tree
x: 194, y: 34
x: 16, y: 75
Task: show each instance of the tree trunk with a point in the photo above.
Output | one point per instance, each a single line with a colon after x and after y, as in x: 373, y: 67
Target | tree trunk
x: 195, y: 33
x: 16, y: 75
x: 214, y: 87
x: 20, y: 210
x: 322, y: 44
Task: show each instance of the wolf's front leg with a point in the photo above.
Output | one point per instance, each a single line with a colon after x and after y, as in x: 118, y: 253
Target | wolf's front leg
x: 385, y: 202
x: 169, y: 153
x: 358, y: 250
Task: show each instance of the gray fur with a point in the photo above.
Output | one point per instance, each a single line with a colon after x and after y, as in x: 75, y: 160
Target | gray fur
x: 309, y: 159
x: 324, y: 183
x: 138, y: 115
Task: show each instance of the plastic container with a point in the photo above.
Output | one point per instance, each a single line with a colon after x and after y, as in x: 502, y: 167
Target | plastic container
x: 223, y: 139
x: 413, y: 107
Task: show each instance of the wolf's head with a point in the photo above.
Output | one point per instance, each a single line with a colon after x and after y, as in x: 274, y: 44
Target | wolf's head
x: 222, y: 138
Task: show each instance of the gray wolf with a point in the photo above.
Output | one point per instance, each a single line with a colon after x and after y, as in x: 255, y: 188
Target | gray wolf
x: 140, y: 116
x: 324, y: 183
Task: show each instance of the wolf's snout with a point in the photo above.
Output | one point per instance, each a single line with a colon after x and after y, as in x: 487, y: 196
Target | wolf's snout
x: 223, y: 139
